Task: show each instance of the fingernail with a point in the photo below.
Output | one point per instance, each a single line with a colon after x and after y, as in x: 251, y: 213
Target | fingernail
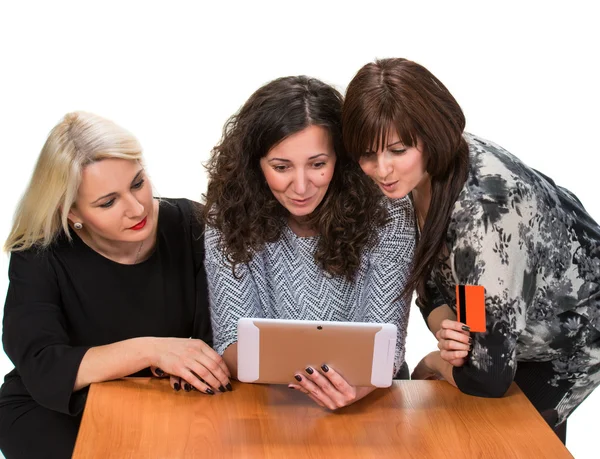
x: 187, y: 387
x: 470, y: 340
x: 309, y: 370
x: 466, y: 328
x: 159, y: 372
x: 228, y: 386
x: 325, y: 368
x: 290, y: 387
x: 298, y: 377
x: 210, y: 391
x: 177, y: 386
x: 221, y: 388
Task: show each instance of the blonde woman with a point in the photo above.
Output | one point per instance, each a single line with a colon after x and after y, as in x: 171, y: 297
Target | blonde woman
x: 105, y: 282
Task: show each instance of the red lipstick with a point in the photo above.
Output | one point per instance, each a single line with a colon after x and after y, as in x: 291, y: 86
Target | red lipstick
x: 140, y: 225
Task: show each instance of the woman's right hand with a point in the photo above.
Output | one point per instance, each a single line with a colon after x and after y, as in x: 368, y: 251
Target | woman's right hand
x: 191, y: 362
x: 454, y: 342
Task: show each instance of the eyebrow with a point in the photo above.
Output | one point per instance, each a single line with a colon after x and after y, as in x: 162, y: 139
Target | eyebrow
x: 395, y: 143
x: 288, y: 161
x: 387, y: 146
x: 114, y: 193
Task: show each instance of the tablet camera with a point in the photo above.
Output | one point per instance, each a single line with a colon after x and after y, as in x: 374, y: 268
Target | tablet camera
x: 319, y: 327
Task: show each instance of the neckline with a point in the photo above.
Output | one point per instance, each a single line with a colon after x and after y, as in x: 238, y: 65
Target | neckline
x: 86, y: 247
x: 296, y: 237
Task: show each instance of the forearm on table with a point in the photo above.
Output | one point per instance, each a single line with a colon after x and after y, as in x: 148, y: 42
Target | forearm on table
x: 435, y: 362
x: 113, y: 361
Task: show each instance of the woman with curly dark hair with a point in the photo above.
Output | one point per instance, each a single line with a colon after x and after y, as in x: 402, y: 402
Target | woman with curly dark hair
x: 295, y: 230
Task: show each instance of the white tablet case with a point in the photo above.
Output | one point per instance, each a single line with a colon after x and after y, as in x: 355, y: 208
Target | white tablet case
x: 296, y: 336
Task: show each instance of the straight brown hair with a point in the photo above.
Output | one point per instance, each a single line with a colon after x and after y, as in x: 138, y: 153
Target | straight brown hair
x: 401, y: 94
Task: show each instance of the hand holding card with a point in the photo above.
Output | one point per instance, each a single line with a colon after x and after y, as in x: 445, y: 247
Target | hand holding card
x: 470, y: 306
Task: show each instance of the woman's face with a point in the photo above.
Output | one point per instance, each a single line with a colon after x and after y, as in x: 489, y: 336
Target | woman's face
x: 299, y: 169
x: 114, y: 201
x: 396, y: 169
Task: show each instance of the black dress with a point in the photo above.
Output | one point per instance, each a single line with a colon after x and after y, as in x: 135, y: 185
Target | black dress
x: 66, y: 299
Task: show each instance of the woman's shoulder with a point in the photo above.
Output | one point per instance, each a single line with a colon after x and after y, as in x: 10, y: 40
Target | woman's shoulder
x: 493, y: 168
x: 180, y: 213
x: 39, y: 260
x: 395, y: 240
x: 180, y: 207
x: 401, y: 216
x: 498, y: 179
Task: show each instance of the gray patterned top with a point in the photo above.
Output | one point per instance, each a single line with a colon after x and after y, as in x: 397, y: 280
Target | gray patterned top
x: 284, y: 282
x: 536, y: 251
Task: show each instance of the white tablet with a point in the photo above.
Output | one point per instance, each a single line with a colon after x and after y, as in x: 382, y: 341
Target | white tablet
x: 274, y: 350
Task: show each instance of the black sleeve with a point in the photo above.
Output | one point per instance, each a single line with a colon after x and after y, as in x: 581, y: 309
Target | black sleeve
x: 434, y: 300
x: 202, y: 327
x: 497, y: 377
x: 35, y: 334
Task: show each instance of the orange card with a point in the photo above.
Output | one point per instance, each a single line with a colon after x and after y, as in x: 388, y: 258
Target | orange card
x: 470, y: 306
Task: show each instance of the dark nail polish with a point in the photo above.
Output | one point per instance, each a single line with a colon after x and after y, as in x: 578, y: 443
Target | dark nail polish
x: 221, y: 388
x: 309, y: 370
x: 210, y: 391
x: 466, y: 328
x: 177, y: 386
x: 470, y: 340
x: 228, y: 386
x: 298, y: 377
x: 187, y: 387
x: 159, y: 372
x: 325, y: 368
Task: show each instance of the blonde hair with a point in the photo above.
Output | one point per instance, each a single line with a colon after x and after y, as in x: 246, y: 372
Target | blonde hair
x: 78, y: 140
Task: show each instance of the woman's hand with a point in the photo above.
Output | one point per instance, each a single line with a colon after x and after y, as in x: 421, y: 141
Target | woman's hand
x: 327, y: 388
x: 190, y: 363
x: 454, y: 342
x: 176, y: 382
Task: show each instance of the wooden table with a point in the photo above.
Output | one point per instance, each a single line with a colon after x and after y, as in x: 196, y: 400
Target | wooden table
x: 422, y: 419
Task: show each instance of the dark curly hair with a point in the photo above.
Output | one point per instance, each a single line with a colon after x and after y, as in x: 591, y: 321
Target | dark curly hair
x: 240, y: 204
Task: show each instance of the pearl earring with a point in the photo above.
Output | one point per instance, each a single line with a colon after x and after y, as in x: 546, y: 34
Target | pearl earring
x: 77, y: 225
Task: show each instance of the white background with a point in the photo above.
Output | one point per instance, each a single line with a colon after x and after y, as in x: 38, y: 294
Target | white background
x: 525, y: 73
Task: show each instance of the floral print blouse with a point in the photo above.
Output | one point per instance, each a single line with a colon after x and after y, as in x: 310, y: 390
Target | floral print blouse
x: 536, y: 251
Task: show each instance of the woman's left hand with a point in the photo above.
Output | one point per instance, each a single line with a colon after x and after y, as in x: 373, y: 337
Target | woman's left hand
x: 454, y: 342
x: 327, y: 387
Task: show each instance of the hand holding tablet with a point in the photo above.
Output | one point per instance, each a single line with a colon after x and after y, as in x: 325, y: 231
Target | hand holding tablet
x: 274, y: 350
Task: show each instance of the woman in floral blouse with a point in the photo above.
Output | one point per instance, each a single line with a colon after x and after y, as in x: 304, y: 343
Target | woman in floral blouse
x: 487, y: 219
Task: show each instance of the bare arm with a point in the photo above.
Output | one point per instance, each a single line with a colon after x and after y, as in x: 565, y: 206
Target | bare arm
x: 432, y: 366
x: 112, y: 361
x: 190, y: 359
x: 437, y: 316
x: 439, y: 366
